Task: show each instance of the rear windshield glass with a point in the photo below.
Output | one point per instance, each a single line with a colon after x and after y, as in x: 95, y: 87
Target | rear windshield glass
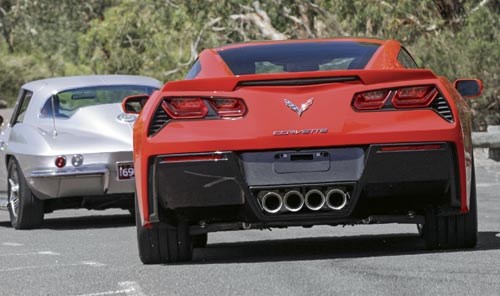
x: 66, y: 103
x: 298, y: 57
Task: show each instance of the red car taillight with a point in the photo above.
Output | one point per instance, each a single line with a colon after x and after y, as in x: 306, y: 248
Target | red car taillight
x: 188, y: 108
x: 400, y: 98
x: 370, y: 100
x: 414, y: 97
x: 229, y: 107
x: 197, y: 108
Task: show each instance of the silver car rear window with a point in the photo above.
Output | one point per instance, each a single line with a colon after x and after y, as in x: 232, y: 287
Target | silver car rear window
x: 67, y: 102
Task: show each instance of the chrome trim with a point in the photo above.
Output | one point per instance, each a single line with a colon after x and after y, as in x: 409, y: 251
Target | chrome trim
x: 275, y: 195
x: 126, y: 118
x: 106, y: 181
x: 320, y: 205
x: 80, y: 171
x: 77, y: 160
x: 287, y: 196
x: 303, y: 108
x: 343, y: 204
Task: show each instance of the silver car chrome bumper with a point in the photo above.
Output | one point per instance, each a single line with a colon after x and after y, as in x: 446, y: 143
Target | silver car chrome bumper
x: 91, y: 180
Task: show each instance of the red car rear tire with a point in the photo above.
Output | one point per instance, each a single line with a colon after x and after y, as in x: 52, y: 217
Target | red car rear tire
x: 163, y: 243
x: 200, y: 240
x: 452, y: 232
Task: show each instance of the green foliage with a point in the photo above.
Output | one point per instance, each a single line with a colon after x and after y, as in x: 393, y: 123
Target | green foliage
x: 46, y: 38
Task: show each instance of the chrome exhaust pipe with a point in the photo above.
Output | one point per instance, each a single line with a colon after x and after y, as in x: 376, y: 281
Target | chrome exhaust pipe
x: 336, y: 199
x: 293, y: 201
x: 315, y: 199
x: 272, y: 202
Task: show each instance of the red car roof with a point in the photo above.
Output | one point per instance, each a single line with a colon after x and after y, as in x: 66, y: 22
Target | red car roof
x: 385, y: 57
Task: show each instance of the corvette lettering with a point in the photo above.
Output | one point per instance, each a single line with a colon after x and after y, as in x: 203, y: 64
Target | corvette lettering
x: 313, y: 131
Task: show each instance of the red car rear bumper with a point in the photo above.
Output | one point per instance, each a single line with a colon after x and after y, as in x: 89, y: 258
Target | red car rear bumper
x: 379, y: 180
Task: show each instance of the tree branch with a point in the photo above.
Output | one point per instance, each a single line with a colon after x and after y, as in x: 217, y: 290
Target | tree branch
x: 193, y: 47
x: 481, y: 4
x: 303, y: 21
x: 260, y: 19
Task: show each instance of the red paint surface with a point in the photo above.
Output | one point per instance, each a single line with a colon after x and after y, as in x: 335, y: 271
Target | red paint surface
x: 332, y: 109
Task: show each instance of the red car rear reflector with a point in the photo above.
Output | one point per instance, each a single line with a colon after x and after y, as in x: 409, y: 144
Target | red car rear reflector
x: 185, y: 108
x: 370, y: 100
x: 414, y: 97
x: 410, y: 147
x: 195, y: 157
x: 229, y: 107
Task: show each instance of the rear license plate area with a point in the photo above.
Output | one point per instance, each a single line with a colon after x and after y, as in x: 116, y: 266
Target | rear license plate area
x: 304, y: 161
x: 125, y: 171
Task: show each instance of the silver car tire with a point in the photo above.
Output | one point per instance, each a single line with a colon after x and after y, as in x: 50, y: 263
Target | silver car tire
x: 25, y: 209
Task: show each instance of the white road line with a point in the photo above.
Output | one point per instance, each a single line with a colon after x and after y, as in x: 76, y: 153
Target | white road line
x: 93, y: 263
x: 31, y: 253
x: 85, y: 263
x: 125, y: 291
x: 12, y: 244
x: 129, y: 289
x: 486, y: 184
x: 133, y: 288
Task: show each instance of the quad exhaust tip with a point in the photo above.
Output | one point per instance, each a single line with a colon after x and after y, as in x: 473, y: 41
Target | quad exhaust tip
x: 293, y: 201
x: 315, y: 199
x: 336, y: 199
x: 272, y: 202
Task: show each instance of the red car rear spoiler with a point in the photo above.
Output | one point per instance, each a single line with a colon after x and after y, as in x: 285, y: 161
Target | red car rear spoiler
x: 302, y: 78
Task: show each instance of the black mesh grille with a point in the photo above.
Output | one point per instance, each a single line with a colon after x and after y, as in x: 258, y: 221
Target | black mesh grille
x: 441, y: 106
x: 159, y: 120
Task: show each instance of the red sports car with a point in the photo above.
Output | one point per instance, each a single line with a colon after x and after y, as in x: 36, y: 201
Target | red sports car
x: 303, y: 133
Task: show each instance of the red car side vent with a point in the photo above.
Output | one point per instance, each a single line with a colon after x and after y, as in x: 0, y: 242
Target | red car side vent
x: 442, y: 108
x: 159, y: 120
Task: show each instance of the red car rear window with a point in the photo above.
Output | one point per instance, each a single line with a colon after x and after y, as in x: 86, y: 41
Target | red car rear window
x: 298, y: 57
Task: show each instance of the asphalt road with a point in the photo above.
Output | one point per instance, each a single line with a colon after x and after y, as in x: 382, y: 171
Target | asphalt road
x: 94, y: 253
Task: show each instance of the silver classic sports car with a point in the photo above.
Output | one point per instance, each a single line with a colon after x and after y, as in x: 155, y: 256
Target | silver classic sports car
x: 69, y: 145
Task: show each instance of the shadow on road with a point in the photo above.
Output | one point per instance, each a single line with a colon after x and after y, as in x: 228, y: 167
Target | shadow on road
x: 84, y: 222
x: 327, y: 248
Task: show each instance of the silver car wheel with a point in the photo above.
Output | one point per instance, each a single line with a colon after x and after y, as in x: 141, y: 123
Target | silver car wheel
x: 14, y: 194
